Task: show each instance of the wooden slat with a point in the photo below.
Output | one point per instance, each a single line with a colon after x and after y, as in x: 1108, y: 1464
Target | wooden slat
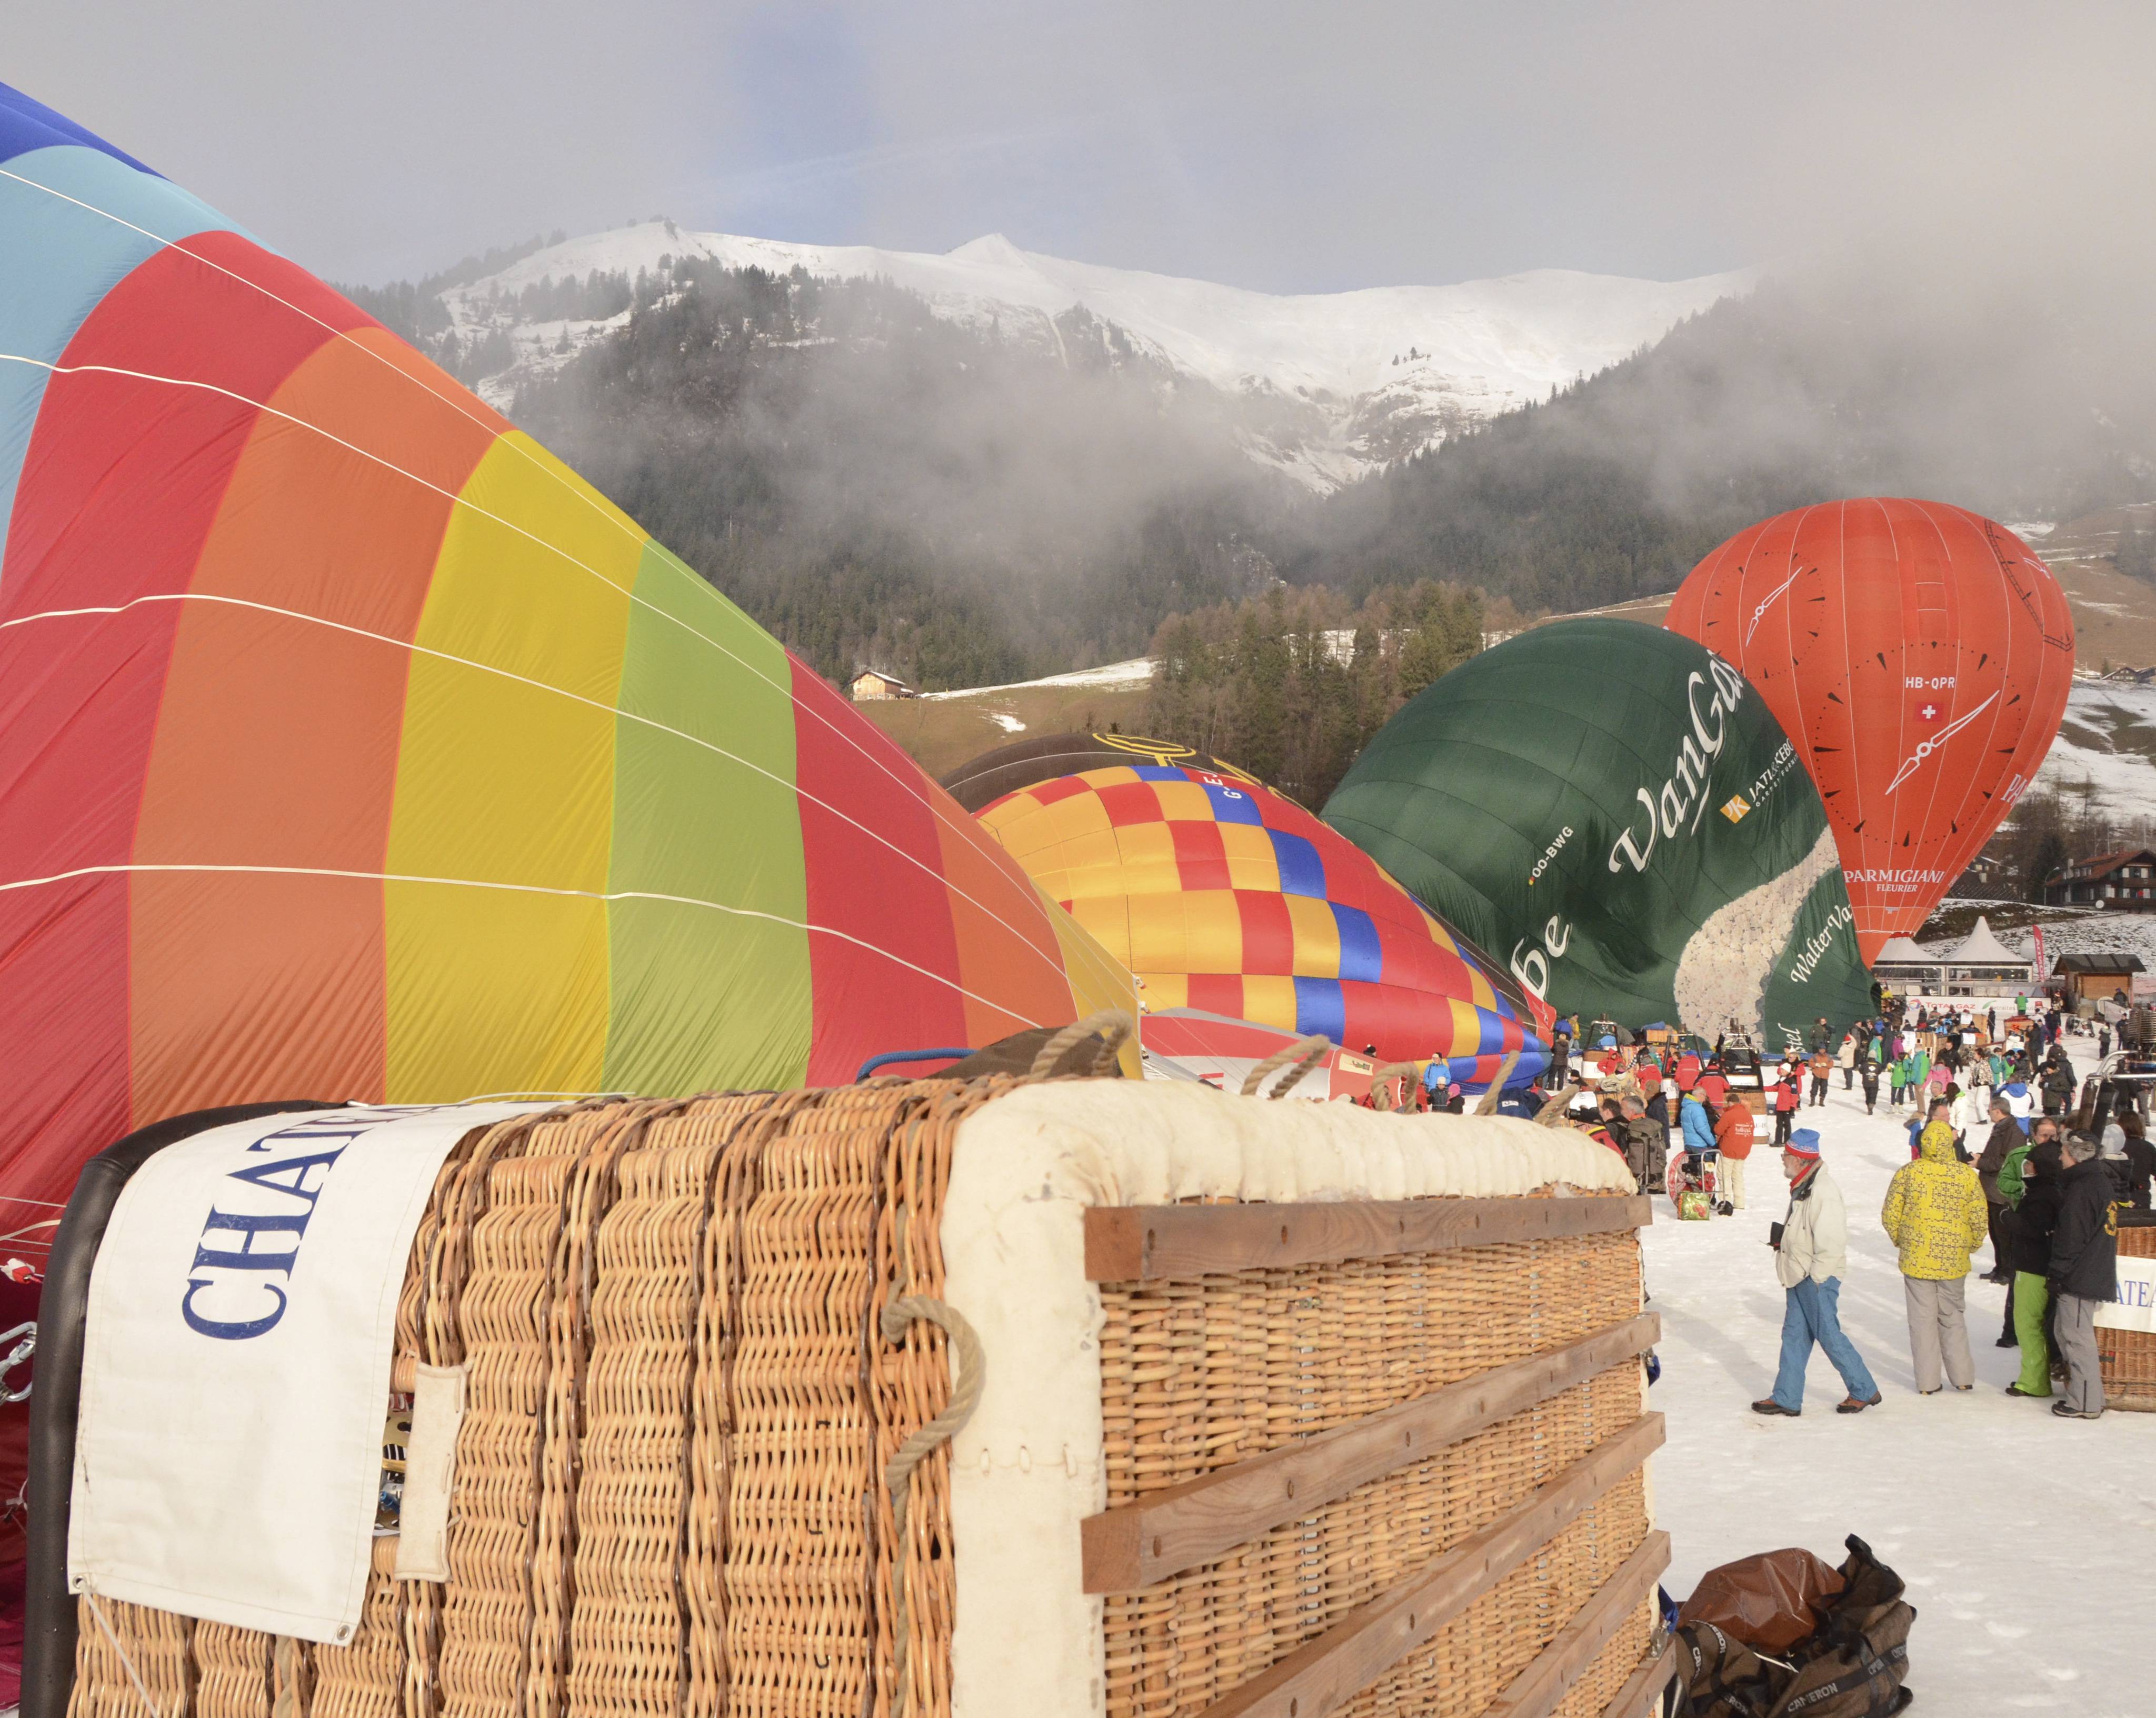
x: 1536, y: 1691
x: 1130, y: 1244
x: 1170, y: 1531
x: 1646, y: 1684
x: 1332, y: 1669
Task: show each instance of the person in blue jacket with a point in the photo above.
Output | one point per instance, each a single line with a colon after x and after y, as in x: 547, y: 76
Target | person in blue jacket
x: 1698, y: 1125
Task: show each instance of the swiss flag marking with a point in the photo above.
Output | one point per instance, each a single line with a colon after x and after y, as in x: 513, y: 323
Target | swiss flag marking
x: 1928, y: 711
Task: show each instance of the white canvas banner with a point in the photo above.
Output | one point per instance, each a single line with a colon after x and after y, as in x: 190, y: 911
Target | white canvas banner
x: 2134, y: 1307
x: 236, y: 1365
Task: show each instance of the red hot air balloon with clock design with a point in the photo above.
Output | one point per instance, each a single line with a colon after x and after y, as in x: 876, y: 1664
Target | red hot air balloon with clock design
x: 1919, y: 655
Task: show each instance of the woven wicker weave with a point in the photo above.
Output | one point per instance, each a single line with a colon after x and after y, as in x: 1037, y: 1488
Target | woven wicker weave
x: 1198, y: 1375
x: 669, y: 1492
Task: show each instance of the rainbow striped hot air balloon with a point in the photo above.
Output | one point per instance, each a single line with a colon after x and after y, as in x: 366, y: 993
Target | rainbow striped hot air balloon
x: 352, y: 746
x: 1222, y: 895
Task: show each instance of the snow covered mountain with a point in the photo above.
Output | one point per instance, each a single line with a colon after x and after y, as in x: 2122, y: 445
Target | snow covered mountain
x: 1334, y: 385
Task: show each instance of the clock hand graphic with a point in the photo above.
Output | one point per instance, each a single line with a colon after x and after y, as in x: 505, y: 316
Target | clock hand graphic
x: 1939, y: 738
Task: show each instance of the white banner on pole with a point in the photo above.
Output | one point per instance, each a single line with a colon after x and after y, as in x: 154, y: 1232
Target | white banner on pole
x: 2134, y: 1306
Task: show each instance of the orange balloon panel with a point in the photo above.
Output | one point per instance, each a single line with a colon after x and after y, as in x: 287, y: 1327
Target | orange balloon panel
x: 1919, y: 655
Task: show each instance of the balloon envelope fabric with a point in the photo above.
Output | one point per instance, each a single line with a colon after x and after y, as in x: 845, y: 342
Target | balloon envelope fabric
x: 1918, y: 655
x: 1222, y: 895
x: 352, y: 746
x: 1611, y: 810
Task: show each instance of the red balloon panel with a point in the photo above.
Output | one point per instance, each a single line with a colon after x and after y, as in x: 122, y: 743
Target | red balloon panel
x: 1918, y: 655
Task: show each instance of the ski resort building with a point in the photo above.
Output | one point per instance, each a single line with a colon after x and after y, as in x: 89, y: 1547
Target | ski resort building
x: 2125, y: 880
x: 873, y: 683
x: 2100, y: 977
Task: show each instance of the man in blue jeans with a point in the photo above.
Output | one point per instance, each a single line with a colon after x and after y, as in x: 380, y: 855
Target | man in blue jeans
x: 1810, y: 1259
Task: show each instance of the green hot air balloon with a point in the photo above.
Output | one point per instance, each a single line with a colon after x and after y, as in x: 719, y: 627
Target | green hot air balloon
x: 1611, y: 810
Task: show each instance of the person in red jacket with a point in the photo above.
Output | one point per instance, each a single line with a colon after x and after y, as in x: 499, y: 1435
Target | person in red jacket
x: 1733, y: 1138
x: 1785, y: 1103
x: 1687, y: 1072
x: 1714, y: 1087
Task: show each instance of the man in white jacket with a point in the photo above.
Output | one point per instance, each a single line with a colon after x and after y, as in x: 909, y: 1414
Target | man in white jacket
x: 1809, y: 1257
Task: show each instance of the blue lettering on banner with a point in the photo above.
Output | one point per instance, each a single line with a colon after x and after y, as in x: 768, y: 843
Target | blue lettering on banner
x: 239, y: 1251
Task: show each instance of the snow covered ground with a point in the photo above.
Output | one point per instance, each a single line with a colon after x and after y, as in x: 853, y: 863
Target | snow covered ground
x: 1135, y: 671
x: 2028, y: 1543
x: 2108, y: 737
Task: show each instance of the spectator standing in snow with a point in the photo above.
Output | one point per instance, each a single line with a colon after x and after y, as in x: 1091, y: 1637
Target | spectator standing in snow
x: 1733, y: 1138
x: 2084, y: 1273
x: 1845, y: 1060
x: 1698, y: 1128
x: 2005, y: 1134
x: 1811, y: 1254
x: 1935, y: 1214
x: 1870, y: 1077
x: 1641, y: 1140
x: 1785, y: 1103
x: 1822, y: 1065
x: 2140, y: 1159
x: 2032, y: 1177
x: 1714, y: 1086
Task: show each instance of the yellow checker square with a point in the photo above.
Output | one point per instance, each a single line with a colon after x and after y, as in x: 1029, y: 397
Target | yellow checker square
x: 1269, y: 1001
x: 1317, y: 936
x: 1252, y: 863
x: 1165, y: 990
x: 1183, y: 801
x: 1108, y: 919
x: 1080, y: 815
x: 1145, y: 844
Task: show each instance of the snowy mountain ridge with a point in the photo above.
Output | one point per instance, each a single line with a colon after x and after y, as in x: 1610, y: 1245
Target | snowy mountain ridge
x: 1340, y: 384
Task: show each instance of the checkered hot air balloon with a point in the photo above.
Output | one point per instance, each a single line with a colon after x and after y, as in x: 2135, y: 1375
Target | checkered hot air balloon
x: 1222, y: 895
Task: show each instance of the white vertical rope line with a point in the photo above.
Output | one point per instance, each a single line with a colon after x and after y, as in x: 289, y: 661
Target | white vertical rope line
x: 582, y: 493
x: 127, y: 1664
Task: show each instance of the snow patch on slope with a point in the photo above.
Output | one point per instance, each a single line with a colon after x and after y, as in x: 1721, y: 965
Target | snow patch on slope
x: 2106, y: 738
x: 1353, y: 379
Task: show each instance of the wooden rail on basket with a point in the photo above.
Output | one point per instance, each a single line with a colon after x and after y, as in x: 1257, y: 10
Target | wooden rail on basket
x: 1655, y: 1674
x: 1536, y: 1691
x: 1130, y: 1244
x: 1330, y: 1670
x: 1168, y: 1531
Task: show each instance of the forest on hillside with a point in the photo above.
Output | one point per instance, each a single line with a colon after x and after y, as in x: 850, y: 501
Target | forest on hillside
x: 1292, y: 684
x: 878, y: 484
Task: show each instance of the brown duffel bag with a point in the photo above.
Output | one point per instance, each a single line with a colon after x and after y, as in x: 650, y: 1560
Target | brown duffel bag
x: 1723, y: 1677
x: 1853, y: 1666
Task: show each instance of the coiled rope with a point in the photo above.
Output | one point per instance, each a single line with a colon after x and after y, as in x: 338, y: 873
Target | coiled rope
x: 970, y: 1374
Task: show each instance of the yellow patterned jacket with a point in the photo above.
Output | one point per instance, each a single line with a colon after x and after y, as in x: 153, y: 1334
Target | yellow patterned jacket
x: 1935, y: 1210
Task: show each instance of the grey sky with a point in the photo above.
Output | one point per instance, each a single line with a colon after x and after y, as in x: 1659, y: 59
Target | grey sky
x: 1289, y: 146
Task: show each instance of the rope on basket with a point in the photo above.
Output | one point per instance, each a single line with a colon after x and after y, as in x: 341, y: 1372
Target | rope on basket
x: 1488, y: 1106
x: 1112, y: 1023
x: 1381, y: 1079
x: 127, y: 1664
x: 972, y: 1373
x: 1304, y: 1054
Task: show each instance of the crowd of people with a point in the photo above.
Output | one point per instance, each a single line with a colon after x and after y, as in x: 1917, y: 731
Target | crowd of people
x: 1988, y: 1101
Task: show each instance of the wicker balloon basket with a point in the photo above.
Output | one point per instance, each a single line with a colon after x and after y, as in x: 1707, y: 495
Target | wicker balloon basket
x: 2129, y: 1356
x: 1377, y: 1456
